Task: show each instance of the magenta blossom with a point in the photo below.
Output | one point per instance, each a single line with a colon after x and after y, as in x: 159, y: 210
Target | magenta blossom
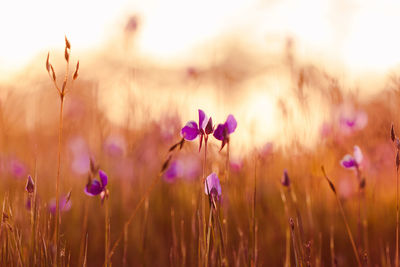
x: 352, y: 161
x: 96, y: 187
x: 352, y: 120
x: 191, y: 130
x: 223, y: 131
x: 173, y: 172
x: 65, y: 204
x: 212, y: 186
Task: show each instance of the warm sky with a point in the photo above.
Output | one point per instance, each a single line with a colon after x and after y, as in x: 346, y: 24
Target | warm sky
x: 361, y: 34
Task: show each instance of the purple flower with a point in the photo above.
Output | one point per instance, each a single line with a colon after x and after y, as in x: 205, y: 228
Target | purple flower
x: 30, y: 185
x: 174, y: 171
x: 115, y: 145
x: 65, y: 204
x: 352, y: 161
x: 191, y: 130
x: 351, y: 120
x: 96, y: 187
x: 17, y: 168
x: 212, y: 186
x: 223, y: 131
x: 285, y: 181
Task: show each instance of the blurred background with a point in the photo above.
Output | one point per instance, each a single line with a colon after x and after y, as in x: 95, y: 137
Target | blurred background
x: 305, y: 80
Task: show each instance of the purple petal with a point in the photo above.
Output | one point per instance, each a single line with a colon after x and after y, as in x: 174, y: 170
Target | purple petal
x: 348, y: 162
x: 202, y: 119
x: 64, y: 205
x: 103, y: 178
x: 358, y: 156
x: 94, y: 188
x: 231, y: 124
x: 219, y: 132
x: 172, y: 172
x: 190, y: 131
x: 214, y: 187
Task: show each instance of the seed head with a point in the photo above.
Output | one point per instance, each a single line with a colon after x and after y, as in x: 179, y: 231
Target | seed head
x: 76, y: 71
x: 67, y: 44
x: 30, y: 185
x: 392, y: 134
x: 47, y: 62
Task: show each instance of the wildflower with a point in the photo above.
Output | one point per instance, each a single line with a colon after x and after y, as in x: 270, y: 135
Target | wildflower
x: 212, y: 186
x: 352, y: 161
x: 223, y: 131
x: 191, y: 130
x: 65, y: 204
x: 96, y: 187
x: 17, y: 168
x: 351, y: 120
x: 285, y: 181
x: 30, y: 185
x: 173, y: 171
x: 115, y: 145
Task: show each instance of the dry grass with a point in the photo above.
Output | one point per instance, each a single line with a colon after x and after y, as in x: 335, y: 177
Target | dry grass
x: 149, y: 221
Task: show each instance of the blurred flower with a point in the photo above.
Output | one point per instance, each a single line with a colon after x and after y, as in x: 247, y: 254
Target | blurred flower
x: 346, y: 188
x: 352, y: 161
x: 285, y: 181
x: 326, y: 130
x: 191, y: 167
x: 80, y: 163
x: 30, y: 185
x: 351, y: 120
x: 212, y: 186
x: 132, y: 24
x: 236, y: 164
x: 266, y: 150
x: 65, y: 204
x: 96, y: 187
x: 115, y: 145
x: 223, y: 131
x: 17, y: 168
x: 173, y: 172
x: 191, y: 130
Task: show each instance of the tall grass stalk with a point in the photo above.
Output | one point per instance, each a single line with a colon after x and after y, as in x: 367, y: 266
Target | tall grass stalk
x: 332, y: 186
x: 396, y: 264
x: 107, y: 233
x: 254, y: 215
x: 61, y: 92
x: 395, y: 139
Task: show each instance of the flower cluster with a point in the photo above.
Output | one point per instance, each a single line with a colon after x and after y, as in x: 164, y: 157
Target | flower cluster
x: 205, y: 127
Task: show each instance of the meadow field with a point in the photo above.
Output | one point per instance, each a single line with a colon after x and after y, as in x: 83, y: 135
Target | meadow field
x: 254, y: 159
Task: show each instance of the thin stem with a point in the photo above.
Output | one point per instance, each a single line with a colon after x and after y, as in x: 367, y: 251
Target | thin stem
x: 57, y: 219
x: 227, y: 161
x: 203, y: 180
x: 397, y: 218
x: 107, y: 226
x: 254, y: 215
x: 348, y: 231
x: 208, y: 235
